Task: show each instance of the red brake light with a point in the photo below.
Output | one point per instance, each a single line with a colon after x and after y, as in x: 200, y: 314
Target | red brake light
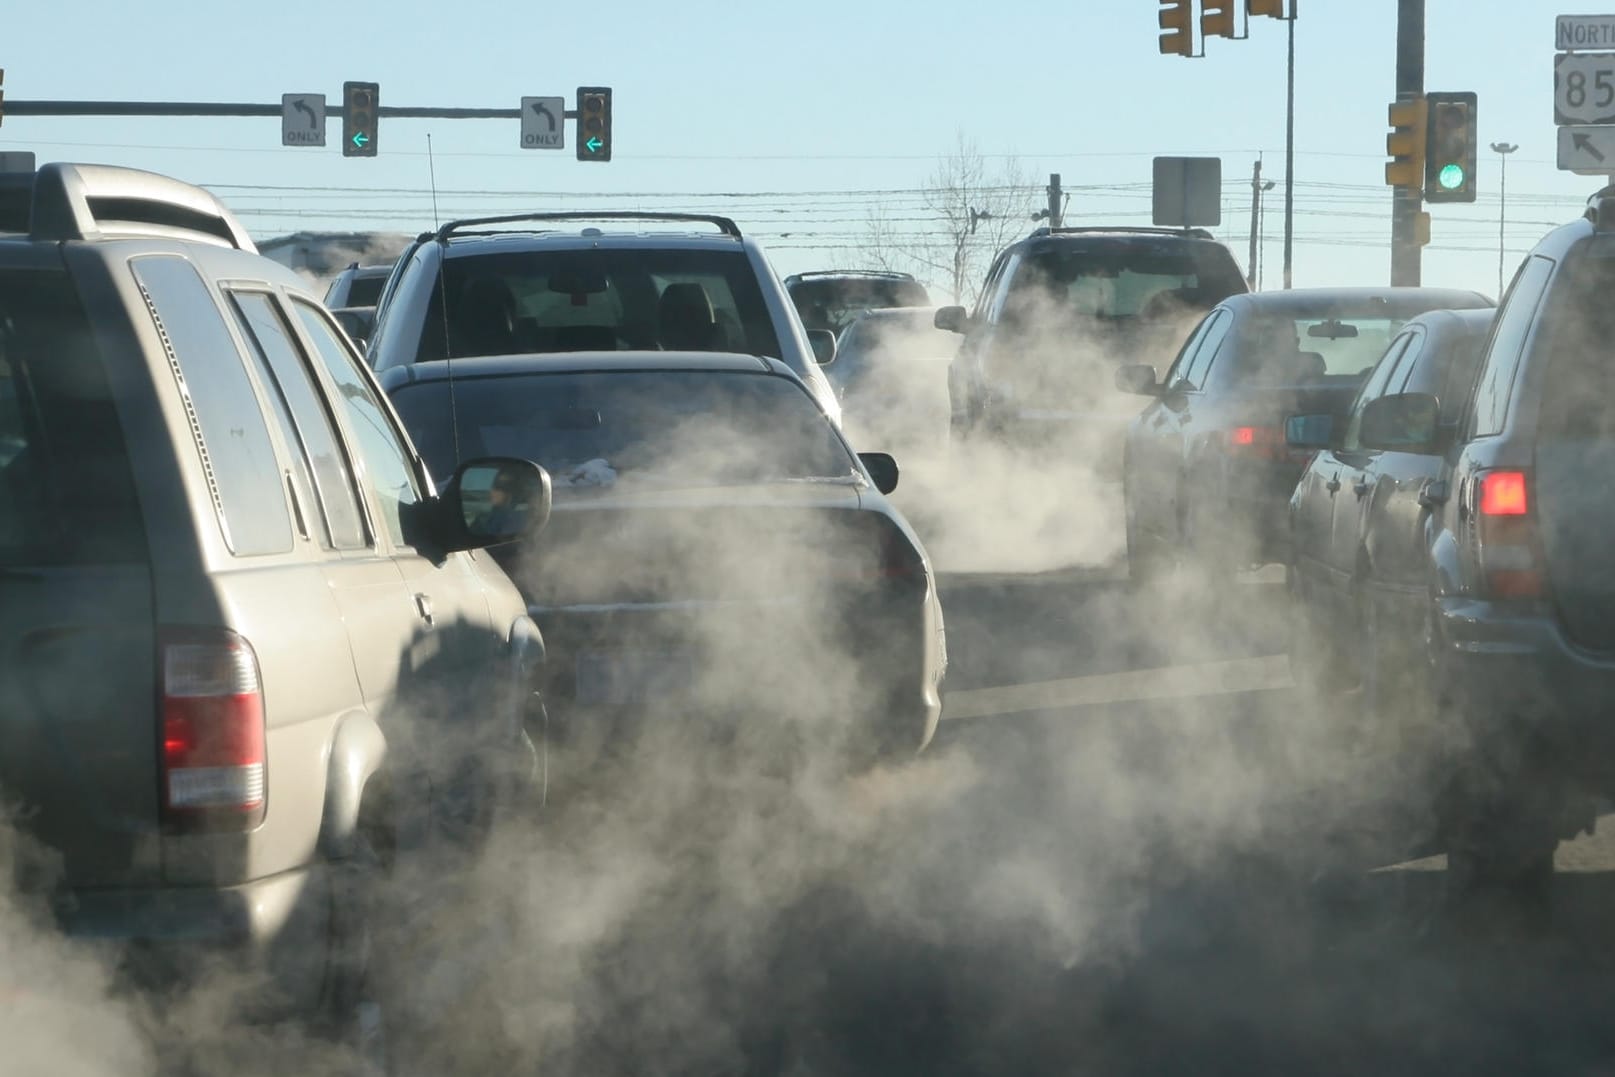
x: 1502, y: 493
x: 1243, y: 435
x: 214, y: 756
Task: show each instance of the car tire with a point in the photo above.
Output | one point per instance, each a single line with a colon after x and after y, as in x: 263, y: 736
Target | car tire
x: 1310, y: 648
x: 1203, y: 554
x: 1148, y: 559
x: 354, y: 1013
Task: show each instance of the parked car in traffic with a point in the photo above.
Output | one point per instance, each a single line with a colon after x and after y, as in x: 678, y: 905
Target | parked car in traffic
x: 831, y: 299
x: 718, y: 557
x: 1357, y: 515
x: 357, y: 286
x: 589, y: 282
x: 1060, y: 310
x: 1207, y: 474
x: 237, y: 619
x: 1508, y: 646
x: 891, y: 373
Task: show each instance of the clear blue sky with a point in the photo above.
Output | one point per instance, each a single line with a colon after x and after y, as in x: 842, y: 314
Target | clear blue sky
x: 790, y: 104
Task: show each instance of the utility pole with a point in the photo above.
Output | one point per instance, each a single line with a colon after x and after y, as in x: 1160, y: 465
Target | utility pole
x: 1256, y: 214
x: 1502, y: 149
x: 1056, y: 217
x: 1289, y: 155
x: 1407, y: 201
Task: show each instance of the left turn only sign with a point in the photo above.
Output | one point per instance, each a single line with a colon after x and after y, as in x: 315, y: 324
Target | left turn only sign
x: 302, y: 119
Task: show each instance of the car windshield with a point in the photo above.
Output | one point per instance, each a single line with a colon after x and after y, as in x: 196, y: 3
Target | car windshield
x: 678, y: 428
x: 833, y: 303
x: 1123, y: 279
x: 1280, y: 349
x: 598, y: 300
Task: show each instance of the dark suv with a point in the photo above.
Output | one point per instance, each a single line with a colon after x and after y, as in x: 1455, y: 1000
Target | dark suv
x: 237, y: 623
x: 1512, y: 635
x: 1061, y: 310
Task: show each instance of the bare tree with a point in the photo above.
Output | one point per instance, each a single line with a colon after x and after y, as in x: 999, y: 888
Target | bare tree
x: 973, y: 210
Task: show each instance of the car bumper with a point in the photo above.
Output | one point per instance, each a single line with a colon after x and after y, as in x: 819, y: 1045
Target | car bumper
x: 271, y: 935
x: 1518, y: 680
x: 871, y: 670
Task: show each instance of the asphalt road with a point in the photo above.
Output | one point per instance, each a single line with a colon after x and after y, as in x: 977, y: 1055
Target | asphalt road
x: 1133, y: 848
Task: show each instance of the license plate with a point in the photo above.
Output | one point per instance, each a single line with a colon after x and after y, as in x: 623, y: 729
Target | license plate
x: 608, y: 678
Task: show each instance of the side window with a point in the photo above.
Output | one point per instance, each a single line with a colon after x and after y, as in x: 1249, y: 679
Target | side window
x: 244, y: 478
x: 1415, y: 352
x: 990, y: 285
x: 994, y: 298
x: 389, y: 471
x: 1509, y: 333
x: 1200, y: 362
x: 1374, y: 388
x: 1180, y: 365
x: 289, y: 381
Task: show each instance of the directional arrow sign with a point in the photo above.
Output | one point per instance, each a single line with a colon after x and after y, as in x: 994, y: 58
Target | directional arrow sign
x: 1587, y: 151
x: 543, y: 126
x: 302, y: 119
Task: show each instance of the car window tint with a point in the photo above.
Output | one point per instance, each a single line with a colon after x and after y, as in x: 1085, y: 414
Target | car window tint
x: 1576, y: 325
x: 833, y: 303
x: 67, y: 495
x: 1180, y: 365
x: 243, y: 474
x: 1455, y: 371
x: 1200, y: 363
x: 1373, y: 389
x: 288, y: 379
x: 670, y: 428
x: 1509, y: 332
x: 597, y: 300
x: 388, y: 470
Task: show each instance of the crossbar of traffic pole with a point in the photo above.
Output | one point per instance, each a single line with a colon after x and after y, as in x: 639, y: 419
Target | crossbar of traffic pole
x: 214, y: 108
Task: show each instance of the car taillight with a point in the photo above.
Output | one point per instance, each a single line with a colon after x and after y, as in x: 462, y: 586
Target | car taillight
x: 1507, y: 535
x: 891, y: 558
x: 1264, y: 442
x: 213, y: 751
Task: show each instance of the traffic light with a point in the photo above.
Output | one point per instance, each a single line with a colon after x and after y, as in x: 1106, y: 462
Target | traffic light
x: 1176, y: 16
x: 1405, y: 144
x: 594, y: 123
x: 1450, y: 149
x: 1271, y: 8
x: 361, y: 104
x: 1217, y: 18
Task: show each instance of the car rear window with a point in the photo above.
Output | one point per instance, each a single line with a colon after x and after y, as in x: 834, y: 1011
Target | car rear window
x: 597, y: 300
x: 1284, y: 348
x: 1574, y: 337
x: 681, y: 428
x: 363, y: 291
x: 1125, y: 278
x: 834, y: 303
x: 66, y: 492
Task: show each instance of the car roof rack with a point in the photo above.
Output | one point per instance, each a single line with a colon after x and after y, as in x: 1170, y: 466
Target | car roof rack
x: 879, y: 274
x: 1148, y: 230
x: 89, y: 202
x: 723, y: 224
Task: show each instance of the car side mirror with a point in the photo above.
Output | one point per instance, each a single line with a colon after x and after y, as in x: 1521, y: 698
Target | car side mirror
x: 824, y: 346
x: 497, y: 499
x: 882, y: 469
x: 358, y: 322
x: 1406, y: 422
x: 1309, y: 431
x: 1137, y: 379
x: 951, y: 319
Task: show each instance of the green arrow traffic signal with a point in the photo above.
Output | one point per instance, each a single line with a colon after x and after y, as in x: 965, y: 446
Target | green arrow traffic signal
x: 594, y: 144
x: 360, y: 138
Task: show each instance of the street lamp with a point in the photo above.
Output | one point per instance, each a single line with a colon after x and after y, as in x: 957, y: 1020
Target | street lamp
x: 1502, y: 149
x: 1261, y: 230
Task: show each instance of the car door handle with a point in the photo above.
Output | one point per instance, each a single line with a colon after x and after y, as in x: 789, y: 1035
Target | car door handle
x: 423, y: 605
x: 1333, y: 485
x: 1360, y: 488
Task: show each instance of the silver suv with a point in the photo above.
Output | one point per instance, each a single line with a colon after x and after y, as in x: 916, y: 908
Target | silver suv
x: 232, y: 606
x: 522, y: 284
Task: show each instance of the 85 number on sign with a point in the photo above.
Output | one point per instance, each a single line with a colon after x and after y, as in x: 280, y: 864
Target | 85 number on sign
x: 1584, y: 88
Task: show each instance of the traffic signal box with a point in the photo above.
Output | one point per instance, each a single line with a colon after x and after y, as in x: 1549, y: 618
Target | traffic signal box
x: 594, y: 123
x: 1450, y: 148
x: 1217, y: 18
x: 1271, y: 8
x: 1406, y: 144
x: 361, y: 102
x: 1177, y: 24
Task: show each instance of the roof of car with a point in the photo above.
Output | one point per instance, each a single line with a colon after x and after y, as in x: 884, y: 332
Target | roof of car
x: 849, y: 274
x: 1302, y: 302
x: 582, y: 362
x: 1118, y: 231
x: 469, y: 243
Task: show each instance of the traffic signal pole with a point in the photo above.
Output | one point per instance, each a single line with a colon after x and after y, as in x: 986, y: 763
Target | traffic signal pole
x: 1407, y: 201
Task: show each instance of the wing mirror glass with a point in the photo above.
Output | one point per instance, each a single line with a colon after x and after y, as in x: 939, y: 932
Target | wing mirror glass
x: 951, y: 319
x: 1309, y: 431
x: 824, y: 346
x: 497, y: 499
x: 1137, y: 379
x: 882, y: 469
